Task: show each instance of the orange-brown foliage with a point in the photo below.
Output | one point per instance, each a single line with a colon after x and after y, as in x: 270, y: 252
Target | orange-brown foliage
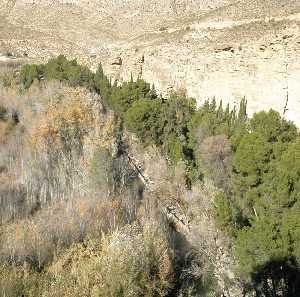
x: 70, y: 115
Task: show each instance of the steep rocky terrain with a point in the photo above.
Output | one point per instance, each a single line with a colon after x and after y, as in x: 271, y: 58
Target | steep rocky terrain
x: 84, y: 139
x: 222, y: 48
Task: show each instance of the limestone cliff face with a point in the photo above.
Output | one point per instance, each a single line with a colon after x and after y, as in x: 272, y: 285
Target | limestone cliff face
x: 213, y: 48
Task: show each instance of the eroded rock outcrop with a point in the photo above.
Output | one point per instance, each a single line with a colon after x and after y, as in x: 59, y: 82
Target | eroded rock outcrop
x: 212, y: 48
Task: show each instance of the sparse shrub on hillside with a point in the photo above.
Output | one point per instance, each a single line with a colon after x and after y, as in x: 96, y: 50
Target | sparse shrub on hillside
x: 29, y: 73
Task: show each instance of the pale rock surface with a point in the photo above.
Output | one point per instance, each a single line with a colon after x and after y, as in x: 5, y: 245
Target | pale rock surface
x: 212, y: 48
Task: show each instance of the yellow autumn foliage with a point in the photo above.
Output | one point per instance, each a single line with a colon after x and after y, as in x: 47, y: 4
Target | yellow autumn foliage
x: 69, y: 117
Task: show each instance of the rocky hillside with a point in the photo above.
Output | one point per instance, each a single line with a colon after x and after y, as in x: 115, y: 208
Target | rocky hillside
x: 223, y: 48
